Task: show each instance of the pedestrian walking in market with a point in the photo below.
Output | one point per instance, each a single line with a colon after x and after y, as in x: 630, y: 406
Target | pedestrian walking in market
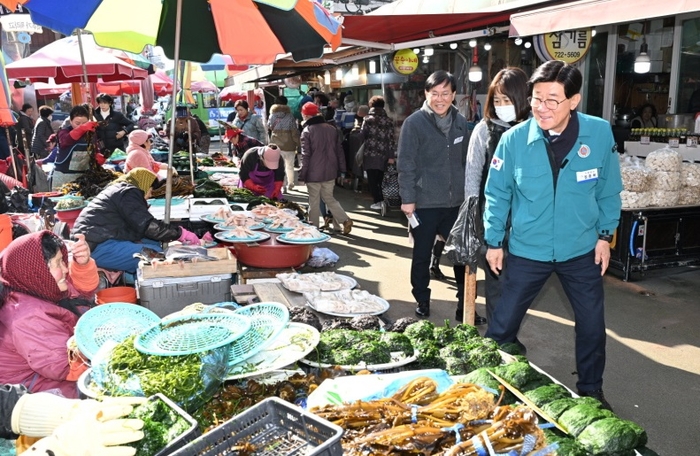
x: 431, y: 157
x: 380, y: 147
x: 557, y: 178
x: 506, y: 105
x: 322, y: 159
x: 285, y: 133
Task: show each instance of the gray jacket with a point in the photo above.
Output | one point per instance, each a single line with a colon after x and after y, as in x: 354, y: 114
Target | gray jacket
x: 430, y: 164
x: 476, y: 157
x: 322, y: 154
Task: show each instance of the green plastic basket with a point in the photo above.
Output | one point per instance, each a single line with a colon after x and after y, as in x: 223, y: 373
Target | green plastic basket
x: 192, y: 334
x: 111, y: 322
x: 268, y: 319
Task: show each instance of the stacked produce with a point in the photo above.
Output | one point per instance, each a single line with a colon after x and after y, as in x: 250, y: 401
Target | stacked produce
x: 689, y: 194
x: 636, y: 182
x: 666, y: 177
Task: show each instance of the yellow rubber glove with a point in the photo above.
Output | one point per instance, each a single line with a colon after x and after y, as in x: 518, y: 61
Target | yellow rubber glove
x: 85, y: 435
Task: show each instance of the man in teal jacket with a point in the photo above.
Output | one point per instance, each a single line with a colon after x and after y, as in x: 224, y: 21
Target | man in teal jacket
x: 557, y: 176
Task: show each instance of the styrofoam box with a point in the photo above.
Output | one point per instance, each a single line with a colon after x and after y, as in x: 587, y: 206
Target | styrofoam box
x: 167, y: 295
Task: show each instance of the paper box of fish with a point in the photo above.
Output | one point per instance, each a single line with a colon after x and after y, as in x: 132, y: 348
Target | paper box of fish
x: 187, y: 262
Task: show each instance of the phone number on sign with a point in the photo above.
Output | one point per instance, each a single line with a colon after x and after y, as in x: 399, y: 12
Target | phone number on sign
x: 560, y: 55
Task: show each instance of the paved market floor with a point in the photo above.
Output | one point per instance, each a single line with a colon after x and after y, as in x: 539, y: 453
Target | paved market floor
x: 653, y: 356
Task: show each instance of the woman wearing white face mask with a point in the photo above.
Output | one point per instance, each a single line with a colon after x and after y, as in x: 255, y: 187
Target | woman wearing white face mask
x: 506, y: 106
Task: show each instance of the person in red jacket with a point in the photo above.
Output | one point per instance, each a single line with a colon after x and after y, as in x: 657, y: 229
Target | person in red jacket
x: 262, y: 171
x: 43, y: 295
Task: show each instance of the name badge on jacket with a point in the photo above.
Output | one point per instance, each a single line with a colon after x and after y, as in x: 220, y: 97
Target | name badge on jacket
x: 585, y: 176
x: 459, y: 139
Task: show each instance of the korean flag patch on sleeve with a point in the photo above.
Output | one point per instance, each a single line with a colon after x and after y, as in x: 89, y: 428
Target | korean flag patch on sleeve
x: 496, y: 163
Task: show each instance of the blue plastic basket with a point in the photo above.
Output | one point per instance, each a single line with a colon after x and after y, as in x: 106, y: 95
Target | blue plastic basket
x: 268, y: 319
x: 111, y: 322
x: 192, y: 334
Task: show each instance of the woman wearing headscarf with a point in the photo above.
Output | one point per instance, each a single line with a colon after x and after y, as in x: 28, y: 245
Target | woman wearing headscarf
x: 44, y: 293
x: 138, y: 153
x: 113, y: 126
x: 262, y: 171
x: 42, y: 131
x: 117, y: 223
x: 506, y: 106
x: 251, y: 124
x: 285, y: 133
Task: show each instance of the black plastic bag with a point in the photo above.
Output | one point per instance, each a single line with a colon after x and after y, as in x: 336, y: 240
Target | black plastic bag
x: 463, y: 243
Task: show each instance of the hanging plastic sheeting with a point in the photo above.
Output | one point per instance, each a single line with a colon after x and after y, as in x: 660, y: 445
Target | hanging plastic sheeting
x: 463, y: 243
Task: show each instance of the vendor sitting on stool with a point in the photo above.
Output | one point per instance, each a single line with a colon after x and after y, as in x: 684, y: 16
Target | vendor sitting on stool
x: 262, y: 171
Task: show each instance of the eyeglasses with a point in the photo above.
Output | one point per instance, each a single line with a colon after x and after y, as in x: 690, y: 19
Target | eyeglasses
x: 443, y: 95
x: 549, y: 104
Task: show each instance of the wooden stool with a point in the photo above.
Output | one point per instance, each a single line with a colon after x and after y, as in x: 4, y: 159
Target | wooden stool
x: 248, y: 272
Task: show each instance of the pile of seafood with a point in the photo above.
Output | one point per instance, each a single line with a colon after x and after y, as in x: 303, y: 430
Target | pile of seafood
x: 302, y: 283
x: 345, y: 302
x: 238, y: 219
x: 302, y: 232
x: 240, y: 232
x: 462, y: 420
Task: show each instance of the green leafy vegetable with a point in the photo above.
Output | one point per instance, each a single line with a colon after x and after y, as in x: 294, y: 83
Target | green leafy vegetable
x: 161, y: 425
x: 577, y: 418
x: 547, y: 393
x: 611, y: 435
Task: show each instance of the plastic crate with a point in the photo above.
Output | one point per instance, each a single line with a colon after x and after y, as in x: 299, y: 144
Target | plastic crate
x: 274, y: 427
x: 186, y: 437
x: 167, y: 295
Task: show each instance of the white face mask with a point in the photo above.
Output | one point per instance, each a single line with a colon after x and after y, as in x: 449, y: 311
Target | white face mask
x: 50, y: 118
x: 506, y: 113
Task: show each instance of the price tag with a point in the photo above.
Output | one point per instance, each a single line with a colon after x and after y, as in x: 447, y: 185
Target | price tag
x: 673, y: 142
x: 644, y: 139
x: 692, y: 141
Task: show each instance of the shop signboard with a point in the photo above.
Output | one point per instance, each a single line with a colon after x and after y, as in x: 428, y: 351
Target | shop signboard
x: 404, y: 62
x: 568, y: 45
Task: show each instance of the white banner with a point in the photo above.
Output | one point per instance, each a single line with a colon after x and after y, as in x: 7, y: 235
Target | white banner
x: 19, y: 23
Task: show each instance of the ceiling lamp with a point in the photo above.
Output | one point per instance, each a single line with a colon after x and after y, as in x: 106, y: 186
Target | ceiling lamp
x: 416, y: 51
x: 527, y: 45
x: 593, y: 32
x: 327, y: 78
x: 428, y: 51
x: 472, y: 43
x: 453, y: 45
x: 372, y: 66
x: 642, y: 64
x: 355, y: 71
x: 487, y: 47
x: 426, y: 59
x: 475, y: 73
x: 518, y: 41
x: 339, y: 74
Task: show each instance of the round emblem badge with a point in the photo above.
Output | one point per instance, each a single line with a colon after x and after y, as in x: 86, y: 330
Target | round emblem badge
x: 584, y: 151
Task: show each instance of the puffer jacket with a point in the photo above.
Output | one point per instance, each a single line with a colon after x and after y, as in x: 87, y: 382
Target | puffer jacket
x: 33, y: 349
x: 380, y: 146
x: 9, y: 396
x: 430, y: 163
x: 120, y: 212
x: 283, y: 128
x: 42, y: 131
x: 109, y: 127
x: 322, y: 154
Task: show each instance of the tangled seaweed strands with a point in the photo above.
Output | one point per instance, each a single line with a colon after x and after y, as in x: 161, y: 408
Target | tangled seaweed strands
x: 181, y: 186
x: 90, y: 183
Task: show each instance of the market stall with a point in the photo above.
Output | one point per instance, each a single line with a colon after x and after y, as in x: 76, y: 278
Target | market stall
x: 660, y: 219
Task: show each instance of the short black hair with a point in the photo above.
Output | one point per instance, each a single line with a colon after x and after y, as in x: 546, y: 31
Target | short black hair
x: 558, y: 71
x: 105, y: 97
x: 45, y: 111
x: 79, y: 111
x: 511, y: 82
x: 439, y: 78
x: 242, y: 103
x: 26, y: 106
x: 281, y: 100
x: 376, y: 101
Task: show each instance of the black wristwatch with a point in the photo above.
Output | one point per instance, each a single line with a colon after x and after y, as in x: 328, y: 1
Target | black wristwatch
x: 605, y: 237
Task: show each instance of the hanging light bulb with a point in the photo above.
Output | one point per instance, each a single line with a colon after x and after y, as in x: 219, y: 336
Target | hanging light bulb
x: 339, y: 74
x: 475, y: 73
x: 453, y: 45
x: 355, y: 71
x: 416, y: 51
x: 518, y: 41
x: 487, y: 47
x: 642, y: 64
x: 372, y: 66
x: 428, y: 51
x: 527, y: 45
x: 327, y: 78
x: 472, y: 43
x: 593, y: 32
x: 426, y: 59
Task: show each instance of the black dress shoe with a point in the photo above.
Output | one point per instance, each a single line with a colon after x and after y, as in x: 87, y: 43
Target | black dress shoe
x: 423, y: 309
x: 597, y: 394
x: 436, y: 273
x: 478, y: 319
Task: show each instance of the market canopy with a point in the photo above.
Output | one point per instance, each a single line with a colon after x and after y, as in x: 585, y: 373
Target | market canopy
x: 61, y: 60
x: 590, y: 13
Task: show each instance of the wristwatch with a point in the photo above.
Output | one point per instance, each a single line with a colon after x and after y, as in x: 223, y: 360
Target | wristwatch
x: 605, y: 237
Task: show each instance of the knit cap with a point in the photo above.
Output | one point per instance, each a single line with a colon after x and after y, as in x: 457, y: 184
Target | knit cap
x: 139, y: 137
x: 309, y: 109
x: 138, y: 177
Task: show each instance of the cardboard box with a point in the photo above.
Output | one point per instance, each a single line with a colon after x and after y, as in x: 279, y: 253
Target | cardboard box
x: 226, y: 264
x: 166, y: 295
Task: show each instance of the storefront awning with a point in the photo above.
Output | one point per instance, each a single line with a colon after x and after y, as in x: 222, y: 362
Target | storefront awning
x: 590, y: 13
x: 389, y: 31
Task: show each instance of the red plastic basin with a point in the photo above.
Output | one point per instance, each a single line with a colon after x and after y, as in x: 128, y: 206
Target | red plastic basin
x: 272, y: 254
